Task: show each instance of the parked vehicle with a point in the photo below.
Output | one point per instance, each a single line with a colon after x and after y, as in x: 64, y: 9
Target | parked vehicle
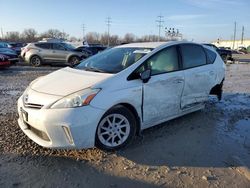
x: 16, y: 46
x: 242, y: 49
x: 4, y: 61
x: 51, y: 52
x: 112, y: 96
x: 225, y: 54
x: 4, y: 45
x: 91, y: 49
x: 11, y: 54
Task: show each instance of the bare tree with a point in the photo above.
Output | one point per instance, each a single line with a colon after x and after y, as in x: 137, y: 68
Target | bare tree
x: 29, y: 35
x: 13, y: 36
x: 129, y: 37
x: 93, y: 37
x: 54, y: 33
x: 114, y: 40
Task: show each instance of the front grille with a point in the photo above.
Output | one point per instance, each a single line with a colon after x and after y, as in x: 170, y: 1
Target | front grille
x: 37, y: 132
x: 31, y: 105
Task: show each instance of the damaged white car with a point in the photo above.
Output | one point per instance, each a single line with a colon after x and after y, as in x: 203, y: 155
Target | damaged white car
x: 112, y: 96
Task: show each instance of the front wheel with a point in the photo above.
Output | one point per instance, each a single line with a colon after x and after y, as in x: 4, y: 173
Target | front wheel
x: 116, y: 129
x: 74, y: 60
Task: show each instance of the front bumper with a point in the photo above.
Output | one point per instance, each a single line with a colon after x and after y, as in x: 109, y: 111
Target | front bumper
x: 60, y: 128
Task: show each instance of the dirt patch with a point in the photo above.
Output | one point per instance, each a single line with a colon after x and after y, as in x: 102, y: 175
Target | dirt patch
x: 202, y: 149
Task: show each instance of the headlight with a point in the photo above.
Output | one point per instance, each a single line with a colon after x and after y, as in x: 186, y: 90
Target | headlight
x: 78, y: 99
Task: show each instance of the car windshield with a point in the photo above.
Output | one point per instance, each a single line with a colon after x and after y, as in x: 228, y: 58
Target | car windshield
x: 68, y: 46
x: 113, y: 60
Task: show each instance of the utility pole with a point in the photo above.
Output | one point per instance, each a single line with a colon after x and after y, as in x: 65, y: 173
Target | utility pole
x: 159, y: 25
x: 83, y: 32
x: 108, y: 23
x: 234, y: 35
x: 242, y: 35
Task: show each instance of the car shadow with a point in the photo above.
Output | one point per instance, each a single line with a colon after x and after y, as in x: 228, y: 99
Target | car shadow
x: 37, y: 171
x: 217, y: 136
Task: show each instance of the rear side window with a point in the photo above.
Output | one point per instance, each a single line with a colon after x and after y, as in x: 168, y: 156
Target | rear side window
x: 211, y: 56
x: 164, y: 61
x: 57, y: 46
x: 43, y: 45
x: 192, y: 56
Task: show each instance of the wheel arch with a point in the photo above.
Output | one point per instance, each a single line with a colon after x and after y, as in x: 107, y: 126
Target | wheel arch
x: 132, y: 109
x: 72, y: 55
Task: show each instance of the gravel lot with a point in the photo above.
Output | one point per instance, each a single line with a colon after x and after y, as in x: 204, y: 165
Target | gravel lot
x: 208, y: 148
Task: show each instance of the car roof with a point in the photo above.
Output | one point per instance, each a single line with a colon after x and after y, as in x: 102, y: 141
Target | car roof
x: 152, y: 44
x: 142, y: 45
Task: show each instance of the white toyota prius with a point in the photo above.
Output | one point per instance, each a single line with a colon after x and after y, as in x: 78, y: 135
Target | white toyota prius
x: 110, y: 97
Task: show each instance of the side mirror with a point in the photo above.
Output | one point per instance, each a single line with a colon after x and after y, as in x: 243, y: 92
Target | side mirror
x: 146, y: 75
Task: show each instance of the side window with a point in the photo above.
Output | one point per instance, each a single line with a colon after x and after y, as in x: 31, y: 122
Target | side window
x: 43, y: 45
x: 164, y: 61
x: 211, y: 56
x: 192, y: 56
x: 57, y: 46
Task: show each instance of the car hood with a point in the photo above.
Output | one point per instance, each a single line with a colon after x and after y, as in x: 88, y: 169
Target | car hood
x: 67, y: 81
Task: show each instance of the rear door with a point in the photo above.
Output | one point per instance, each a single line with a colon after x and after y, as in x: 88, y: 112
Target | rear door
x: 45, y: 50
x: 199, y: 75
x: 162, y: 93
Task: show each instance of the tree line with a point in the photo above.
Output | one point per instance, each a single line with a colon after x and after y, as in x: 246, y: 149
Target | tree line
x: 31, y: 35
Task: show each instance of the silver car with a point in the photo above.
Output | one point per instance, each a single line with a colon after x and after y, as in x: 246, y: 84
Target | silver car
x: 51, y: 52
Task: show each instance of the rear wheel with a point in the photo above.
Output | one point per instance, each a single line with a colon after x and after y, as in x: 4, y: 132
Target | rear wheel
x: 116, y: 129
x: 35, y: 61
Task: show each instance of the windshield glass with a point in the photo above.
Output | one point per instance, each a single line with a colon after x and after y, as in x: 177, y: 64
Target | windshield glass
x: 113, y: 60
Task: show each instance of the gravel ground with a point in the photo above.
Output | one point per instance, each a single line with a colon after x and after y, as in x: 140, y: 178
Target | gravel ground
x: 208, y: 148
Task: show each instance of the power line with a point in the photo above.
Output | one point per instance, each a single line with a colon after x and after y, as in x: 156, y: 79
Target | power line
x: 159, y: 25
x: 108, y: 23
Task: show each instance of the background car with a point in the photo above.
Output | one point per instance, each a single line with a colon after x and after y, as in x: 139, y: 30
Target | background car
x: 11, y: 54
x: 4, y: 61
x: 51, y: 52
x: 225, y: 54
x: 91, y: 49
x: 16, y: 46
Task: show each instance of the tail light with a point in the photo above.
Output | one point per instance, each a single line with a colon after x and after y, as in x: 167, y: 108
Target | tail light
x: 25, y: 49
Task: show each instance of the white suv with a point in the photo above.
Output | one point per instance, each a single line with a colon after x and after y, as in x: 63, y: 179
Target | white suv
x: 112, y: 96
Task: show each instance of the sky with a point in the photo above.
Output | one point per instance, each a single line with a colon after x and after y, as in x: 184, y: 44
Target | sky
x: 197, y: 20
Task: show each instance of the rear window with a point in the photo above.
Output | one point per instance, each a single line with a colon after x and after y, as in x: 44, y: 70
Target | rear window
x: 43, y: 45
x: 211, y: 56
x: 192, y: 56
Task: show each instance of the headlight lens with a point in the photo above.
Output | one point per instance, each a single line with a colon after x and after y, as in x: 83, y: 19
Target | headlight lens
x: 78, y: 99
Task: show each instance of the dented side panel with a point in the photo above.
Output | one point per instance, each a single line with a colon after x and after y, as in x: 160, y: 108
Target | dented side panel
x: 198, y: 83
x: 162, y: 95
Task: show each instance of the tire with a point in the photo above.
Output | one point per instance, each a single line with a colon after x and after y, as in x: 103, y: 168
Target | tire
x: 224, y: 57
x: 116, y: 129
x: 35, y: 61
x: 73, y: 61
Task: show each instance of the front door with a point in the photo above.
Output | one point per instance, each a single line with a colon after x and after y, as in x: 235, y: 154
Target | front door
x: 162, y: 93
x: 59, y: 53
